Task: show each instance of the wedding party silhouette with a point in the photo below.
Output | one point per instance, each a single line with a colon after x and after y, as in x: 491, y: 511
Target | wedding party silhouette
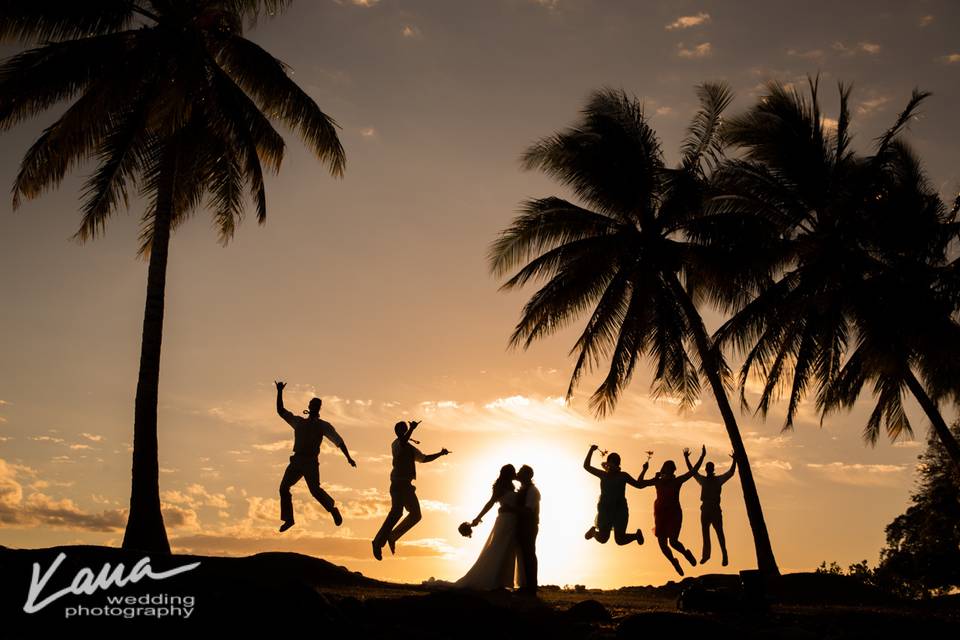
x: 403, y: 495
x: 308, y: 435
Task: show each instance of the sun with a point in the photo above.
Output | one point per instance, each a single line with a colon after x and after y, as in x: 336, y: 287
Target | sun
x: 567, y: 506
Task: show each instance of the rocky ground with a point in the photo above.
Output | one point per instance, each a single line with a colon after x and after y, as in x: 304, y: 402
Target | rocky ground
x: 287, y: 593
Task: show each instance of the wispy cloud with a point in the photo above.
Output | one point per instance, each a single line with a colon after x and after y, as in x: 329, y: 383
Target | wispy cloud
x: 548, y: 4
x: 951, y: 58
x: 411, y: 31
x: 685, y: 22
x: 926, y: 21
x: 701, y: 50
x: 862, y: 475
x: 872, y: 104
x: 870, y: 48
x: 91, y: 437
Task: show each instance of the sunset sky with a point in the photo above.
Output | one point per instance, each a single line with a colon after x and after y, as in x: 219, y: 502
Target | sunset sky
x: 373, y: 293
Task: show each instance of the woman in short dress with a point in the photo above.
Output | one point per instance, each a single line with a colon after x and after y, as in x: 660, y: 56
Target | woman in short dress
x: 612, y: 511
x: 667, y: 513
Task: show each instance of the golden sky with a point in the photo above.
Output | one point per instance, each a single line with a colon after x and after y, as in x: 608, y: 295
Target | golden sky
x: 372, y: 292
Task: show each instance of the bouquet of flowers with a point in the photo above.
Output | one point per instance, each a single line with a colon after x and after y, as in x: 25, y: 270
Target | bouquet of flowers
x: 465, y: 529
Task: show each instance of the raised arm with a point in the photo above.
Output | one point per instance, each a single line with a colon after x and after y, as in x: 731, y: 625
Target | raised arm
x: 686, y: 456
x: 641, y: 482
x: 587, y: 462
x: 690, y: 469
x: 729, y: 472
x: 286, y: 415
x: 413, y: 425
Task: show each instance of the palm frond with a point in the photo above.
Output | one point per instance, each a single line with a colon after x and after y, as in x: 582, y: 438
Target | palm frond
x: 54, y: 20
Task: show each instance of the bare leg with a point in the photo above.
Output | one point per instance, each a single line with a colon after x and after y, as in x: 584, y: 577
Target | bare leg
x: 676, y: 544
x: 621, y: 537
x: 669, y: 555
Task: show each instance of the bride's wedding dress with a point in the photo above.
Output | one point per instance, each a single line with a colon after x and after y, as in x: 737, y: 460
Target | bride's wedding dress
x: 497, y: 563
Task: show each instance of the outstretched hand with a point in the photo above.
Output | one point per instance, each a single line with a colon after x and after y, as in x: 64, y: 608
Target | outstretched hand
x: 444, y: 452
x: 414, y: 424
x: 593, y: 447
x: 686, y: 452
x: 353, y: 463
x: 280, y: 384
x: 703, y: 450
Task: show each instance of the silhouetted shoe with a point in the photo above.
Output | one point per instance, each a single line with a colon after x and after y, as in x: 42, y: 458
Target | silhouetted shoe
x: 704, y: 559
x: 591, y: 533
x: 725, y: 561
x: 690, y: 558
x: 676, y: 565
x: 639, y: 536
x: 392, y: 544
x: 337, y: 518
x: 377, y: 551
x: 286, y: 525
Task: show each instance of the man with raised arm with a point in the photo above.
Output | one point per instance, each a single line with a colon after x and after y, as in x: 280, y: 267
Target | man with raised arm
x: 710, y: 513
x: 403, y: 495
x: 308, y: 434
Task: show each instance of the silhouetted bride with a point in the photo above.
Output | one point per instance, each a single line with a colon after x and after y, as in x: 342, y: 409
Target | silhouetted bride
x: 497, y: 563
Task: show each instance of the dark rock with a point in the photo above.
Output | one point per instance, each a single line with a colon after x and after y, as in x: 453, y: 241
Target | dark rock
x: 588, y: 611
x: 668, y: 624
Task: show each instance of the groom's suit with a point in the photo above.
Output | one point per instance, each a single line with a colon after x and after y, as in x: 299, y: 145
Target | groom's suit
x: 528, y: 526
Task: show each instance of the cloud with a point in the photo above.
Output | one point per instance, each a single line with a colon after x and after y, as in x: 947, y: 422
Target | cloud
x: 548, y: 4
x: 773, y: 470
x: 77, y: 447
x: 701, y: 50
x: 360, y: 3
x: 278, y: 445
x: 91, y: 437
x: 368, y: 132
x: 926, y: 21
x: 685, y: 22
x: 411, y: 31
x: 870, y: 48
x: 873, y: 104
x: 664, y: 111
x: 830, y: 124
x: 862, y: 475
x: 951, y: 58
x: 47, y: 439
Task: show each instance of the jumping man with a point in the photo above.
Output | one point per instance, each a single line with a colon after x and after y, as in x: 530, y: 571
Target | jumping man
x: 403, y: 495
x: 308, y: 434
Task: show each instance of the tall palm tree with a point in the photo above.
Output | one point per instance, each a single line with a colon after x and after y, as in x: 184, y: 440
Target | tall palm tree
x: 623, y: 260
x: 863, y: 250
x: 166, y: 97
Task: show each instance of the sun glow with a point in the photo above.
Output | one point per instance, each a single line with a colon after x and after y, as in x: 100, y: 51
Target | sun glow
x: 568, y: 499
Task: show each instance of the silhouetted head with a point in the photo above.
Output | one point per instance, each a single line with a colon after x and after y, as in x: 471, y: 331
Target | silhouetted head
x: 313, y: 409
x: 709, y: 468
x: 612, y: 463
x: 525, y: 475
x: 505, y: 480
x: 668, y: 469
x: 400, y: 428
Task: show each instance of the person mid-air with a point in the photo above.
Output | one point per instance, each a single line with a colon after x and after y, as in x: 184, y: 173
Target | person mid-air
x: 612, y: 511
x: 710, y: 513
x: 308, y: 434
x: 403, y: 495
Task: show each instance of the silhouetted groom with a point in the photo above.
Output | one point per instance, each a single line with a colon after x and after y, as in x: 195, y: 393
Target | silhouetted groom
x: 528, y: 526
x: 308, y: 434
x: 403, y: 495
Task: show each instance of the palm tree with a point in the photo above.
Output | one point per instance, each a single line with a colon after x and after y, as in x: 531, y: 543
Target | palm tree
x: 623, y: 260
x: 168, y: 97
x: 863, y: 243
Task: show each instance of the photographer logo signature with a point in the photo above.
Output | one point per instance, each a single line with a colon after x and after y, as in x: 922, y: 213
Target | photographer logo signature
x: 86, y: 582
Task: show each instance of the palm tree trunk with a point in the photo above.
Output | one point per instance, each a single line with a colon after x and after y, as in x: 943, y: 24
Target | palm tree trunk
x: 929, y: 407
x: 766, y: 562
x: 145, y: 530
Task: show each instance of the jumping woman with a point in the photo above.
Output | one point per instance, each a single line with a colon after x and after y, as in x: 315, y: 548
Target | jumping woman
x: 612, y: 512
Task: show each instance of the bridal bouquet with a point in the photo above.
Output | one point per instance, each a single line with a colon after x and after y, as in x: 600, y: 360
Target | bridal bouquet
x: 465, y: 529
